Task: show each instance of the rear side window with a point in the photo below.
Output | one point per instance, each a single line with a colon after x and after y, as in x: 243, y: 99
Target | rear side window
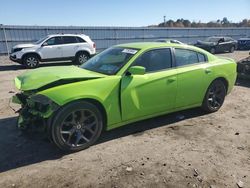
x: 188, y: 57
x: 201, y: 57
x: 155, y: 60
x: 185, y: 57
x: 69, y: 40
x: 80, y: 40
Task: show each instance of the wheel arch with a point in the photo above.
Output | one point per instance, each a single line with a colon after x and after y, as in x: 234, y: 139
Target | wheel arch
x: 31, y: 53
x: 95, y: 102
x: 84, y: 51
x: 223, y: 79
x: 99, y: 105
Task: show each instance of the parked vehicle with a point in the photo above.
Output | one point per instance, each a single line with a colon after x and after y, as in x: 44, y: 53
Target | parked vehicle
x: 217, y: 44
x: 122, y: 84
x: 243, y: 68
x: 244, y: 43
x: 59, y: 47
x: 169, y: 41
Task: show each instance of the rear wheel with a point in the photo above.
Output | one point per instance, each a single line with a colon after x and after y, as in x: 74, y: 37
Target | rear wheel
x: 77, y: 126
x: 232, y: 49
x: 212, y: 50
x: 215, y: 96
x: 81, y: 58
x: 31, y: 61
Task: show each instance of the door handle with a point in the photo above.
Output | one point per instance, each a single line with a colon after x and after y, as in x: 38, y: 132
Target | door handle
x: 172, y: 79
x: 208, y: 71
x: 59, y: 47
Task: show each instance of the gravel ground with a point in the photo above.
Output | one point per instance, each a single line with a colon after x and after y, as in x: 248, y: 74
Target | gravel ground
x: 200, y: 150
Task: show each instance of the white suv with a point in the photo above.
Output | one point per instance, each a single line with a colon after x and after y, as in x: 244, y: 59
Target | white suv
x: 78, y: 48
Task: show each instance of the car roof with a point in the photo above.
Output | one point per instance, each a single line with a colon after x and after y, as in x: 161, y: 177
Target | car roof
x: 150, y: 45
x: 218, y: 37
x: 59, y: 35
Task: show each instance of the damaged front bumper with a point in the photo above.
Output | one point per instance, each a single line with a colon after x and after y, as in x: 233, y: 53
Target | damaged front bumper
x: 35, y: 110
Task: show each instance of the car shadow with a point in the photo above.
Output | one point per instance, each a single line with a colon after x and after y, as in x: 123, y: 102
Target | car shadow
x: 18, y: 150
x: 12, y: 67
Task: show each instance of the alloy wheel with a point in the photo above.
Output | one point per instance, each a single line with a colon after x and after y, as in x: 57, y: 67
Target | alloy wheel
x: 79, y: 128
x: 216, y: 95
x: 31, y: 61
x: 82, y: 58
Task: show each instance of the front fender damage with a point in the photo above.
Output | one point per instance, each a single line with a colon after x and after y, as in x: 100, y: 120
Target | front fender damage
x: 35, y: 111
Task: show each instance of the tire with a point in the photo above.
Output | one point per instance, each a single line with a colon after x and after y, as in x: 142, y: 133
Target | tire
x: 77, y: 126
x: 231, y: 50
x: 81, y: 57
x: 31, y: 61
x: 214, y: 96
x: 212, y: 50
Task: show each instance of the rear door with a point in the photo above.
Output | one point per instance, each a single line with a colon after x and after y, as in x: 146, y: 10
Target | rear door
x: 154, y: 92
x: 191, y: 72
x: 70, y: 46
x: 229, y: 43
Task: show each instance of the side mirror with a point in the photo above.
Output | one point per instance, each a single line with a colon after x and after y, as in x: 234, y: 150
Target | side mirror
x: 45, y: 44
x: 137, y: 70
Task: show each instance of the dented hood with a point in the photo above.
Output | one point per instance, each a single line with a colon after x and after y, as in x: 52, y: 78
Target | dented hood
x: 53, y: 76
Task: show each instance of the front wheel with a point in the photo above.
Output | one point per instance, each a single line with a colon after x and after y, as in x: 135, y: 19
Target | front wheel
x: 77, y: 126
x: 214, y: 97
x: 31, y: 61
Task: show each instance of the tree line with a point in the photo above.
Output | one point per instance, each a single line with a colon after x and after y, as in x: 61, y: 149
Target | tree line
x: 218, y: 23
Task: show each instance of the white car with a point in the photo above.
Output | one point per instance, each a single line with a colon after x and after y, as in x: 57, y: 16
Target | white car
x: 59, y: 47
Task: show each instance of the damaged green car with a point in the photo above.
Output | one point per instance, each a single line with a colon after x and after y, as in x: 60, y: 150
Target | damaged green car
x: 123, y: 84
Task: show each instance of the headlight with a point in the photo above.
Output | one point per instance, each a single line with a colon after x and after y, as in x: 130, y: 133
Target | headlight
x: 40, y: 99
x: 16, y: 50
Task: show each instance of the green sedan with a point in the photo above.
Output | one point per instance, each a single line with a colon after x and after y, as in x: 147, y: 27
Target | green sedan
x: 123, y: 84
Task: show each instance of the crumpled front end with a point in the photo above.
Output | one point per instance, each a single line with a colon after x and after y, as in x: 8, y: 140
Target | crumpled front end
x: 35, y: 110
x: 243, y: 68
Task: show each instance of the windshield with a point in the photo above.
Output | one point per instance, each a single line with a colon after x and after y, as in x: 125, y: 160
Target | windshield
x: 110, y: 61
x: 40, y: 40
x: 212, y: 39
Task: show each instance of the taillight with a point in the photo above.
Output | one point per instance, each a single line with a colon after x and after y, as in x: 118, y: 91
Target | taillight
x: 94, y: 45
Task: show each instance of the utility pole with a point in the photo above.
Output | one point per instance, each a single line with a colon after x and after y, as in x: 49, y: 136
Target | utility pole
x: 5, y: 38
x: 164, y: 18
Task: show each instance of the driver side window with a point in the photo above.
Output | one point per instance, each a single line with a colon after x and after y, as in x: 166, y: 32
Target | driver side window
x: 155, y: 60
x: 54, y: 41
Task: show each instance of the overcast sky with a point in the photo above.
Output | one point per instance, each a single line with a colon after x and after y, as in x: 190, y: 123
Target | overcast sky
x: 118, y: 12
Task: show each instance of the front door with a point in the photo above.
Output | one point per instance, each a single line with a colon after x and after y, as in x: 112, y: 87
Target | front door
x: 152, y: 93
x: 52, y: 48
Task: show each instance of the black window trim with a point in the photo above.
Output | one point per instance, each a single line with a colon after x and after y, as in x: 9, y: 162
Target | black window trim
x: 71, y: 42
x: 172, y: 60
x: 78, y: 41
x: 53, y: 44
x: 206, y: 59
